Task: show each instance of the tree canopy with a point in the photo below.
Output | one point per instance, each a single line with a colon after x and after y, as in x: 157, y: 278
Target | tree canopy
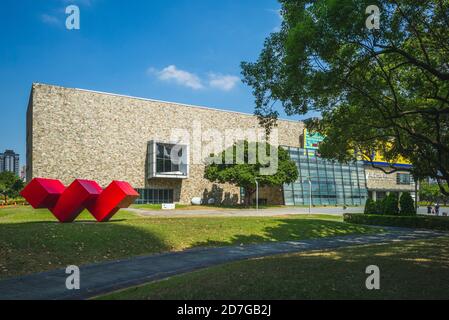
x: 10, y: 185
x: 245, y: 173
x: 377, y: 90
x: 431, y: 193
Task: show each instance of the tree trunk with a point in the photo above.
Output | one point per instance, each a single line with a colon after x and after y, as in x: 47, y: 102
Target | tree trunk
x: 248, y: 195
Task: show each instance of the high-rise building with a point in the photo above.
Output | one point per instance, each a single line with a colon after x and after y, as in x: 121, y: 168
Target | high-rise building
x: 9, y: 161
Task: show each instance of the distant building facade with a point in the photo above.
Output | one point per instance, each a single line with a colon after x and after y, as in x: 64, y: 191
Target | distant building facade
x: 9, y: 161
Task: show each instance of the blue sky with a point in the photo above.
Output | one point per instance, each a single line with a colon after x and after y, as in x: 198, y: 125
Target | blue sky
x: 185, y: 51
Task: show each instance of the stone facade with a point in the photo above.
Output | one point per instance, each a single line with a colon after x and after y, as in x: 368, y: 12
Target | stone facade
x: 73, y: 133
x: 380, y: 181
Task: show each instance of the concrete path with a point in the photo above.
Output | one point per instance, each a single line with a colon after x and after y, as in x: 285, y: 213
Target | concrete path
x: 101, y: 278
x: 270, y: 212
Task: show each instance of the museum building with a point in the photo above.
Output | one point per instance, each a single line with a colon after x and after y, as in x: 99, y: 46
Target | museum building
x: 76, y: 133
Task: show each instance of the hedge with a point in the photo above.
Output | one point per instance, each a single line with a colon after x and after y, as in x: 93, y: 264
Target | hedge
x: 13, y: 202
x: 418, y: 222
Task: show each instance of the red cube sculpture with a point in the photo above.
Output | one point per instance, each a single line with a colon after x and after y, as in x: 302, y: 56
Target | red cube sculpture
x: 117, y: 195
x: 67, y: 203
x: 43, y: 193
x: 79, y: 195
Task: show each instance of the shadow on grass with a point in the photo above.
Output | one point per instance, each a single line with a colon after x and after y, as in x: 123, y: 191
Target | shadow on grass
x: 40, y: 246
x: 409, y: 270
x: 293, y: 229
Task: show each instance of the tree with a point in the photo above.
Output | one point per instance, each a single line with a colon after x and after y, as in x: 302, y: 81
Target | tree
x: 10, y: 185
x: 370, y: 207
x: 391, y: 205
x: 407, y: 205
x: 431, y: 193
x: 384, y: 90
x: 245, y: 174
x: 380, y: 206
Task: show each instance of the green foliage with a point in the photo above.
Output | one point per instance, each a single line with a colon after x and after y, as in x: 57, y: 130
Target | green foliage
x: 407, y: 205
x: 418, y: 222
x: 380, y: 206
x: 244, y: 175
x: 431, y: 193
x: 10, y: 185
x: 370, y: 207
x: 391, y: 204
x: 377, y: 90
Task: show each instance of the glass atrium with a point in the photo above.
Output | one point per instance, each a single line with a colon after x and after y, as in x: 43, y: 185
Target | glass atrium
x: 331, y: 183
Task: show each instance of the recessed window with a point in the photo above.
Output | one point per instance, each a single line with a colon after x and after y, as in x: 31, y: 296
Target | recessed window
x: 404, y: 179
x: 167, y: 160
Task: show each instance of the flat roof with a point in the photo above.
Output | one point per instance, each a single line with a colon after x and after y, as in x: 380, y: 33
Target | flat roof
x: 160, y: 101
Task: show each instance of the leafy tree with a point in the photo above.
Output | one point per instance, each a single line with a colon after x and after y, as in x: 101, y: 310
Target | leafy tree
x: 245, y: 174
x: 10, y: 185
x: 384, y: 90
x: 391, y: 204
x: 431, y: 193
x: 407, y: 205
x: 370, y: 207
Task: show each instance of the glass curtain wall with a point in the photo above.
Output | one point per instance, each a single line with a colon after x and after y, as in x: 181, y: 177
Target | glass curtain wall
x: 330, y: 183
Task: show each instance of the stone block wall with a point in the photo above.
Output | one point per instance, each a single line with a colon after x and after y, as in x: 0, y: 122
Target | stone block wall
x: 73, y: 133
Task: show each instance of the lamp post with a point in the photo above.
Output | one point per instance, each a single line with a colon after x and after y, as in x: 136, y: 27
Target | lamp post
x: 310, y: 194
x: 257, y: 194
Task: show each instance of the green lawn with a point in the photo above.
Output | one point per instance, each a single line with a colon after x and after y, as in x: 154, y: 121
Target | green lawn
x: 32, y: 240
x: 408, y: 270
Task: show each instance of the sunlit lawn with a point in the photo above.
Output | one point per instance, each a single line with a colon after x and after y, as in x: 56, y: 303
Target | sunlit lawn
x: 408, y: 270
x: 32, y: 240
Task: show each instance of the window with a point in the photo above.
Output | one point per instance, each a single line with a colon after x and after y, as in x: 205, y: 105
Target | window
x: 154, y: 196
x: 167, y: 160
x: 164, y: 161
x: 403, y: 178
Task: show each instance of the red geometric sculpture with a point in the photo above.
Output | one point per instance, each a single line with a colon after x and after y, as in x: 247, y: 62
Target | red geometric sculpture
x: 75, y: 198
x: 43, y: 193
x: 67, y: 203
x: 117, y: 195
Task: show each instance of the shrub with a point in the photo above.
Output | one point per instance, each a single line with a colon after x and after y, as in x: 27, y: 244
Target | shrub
x: 370, y: 207
x: 417, y: 222
x: 407, y: 205
x: 380, y: 207
x: 391, y: 205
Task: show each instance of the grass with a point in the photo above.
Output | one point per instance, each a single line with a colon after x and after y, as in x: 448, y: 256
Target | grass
x: 408, y: 270
x: 32, y: 240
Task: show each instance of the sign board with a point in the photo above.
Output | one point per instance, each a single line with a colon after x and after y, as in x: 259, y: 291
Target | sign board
x: 312, y: 141
x: 168, y: 206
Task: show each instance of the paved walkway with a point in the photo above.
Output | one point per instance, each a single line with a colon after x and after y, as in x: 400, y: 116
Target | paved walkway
x: 97, y: 279
x: 270, y: 212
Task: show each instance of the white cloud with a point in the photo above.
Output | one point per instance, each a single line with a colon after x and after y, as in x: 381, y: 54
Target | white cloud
x: 49, y: 19
x: 191, y: 80
x: 223, y: 82
x: 278, y: 13
x: 181, y: 77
